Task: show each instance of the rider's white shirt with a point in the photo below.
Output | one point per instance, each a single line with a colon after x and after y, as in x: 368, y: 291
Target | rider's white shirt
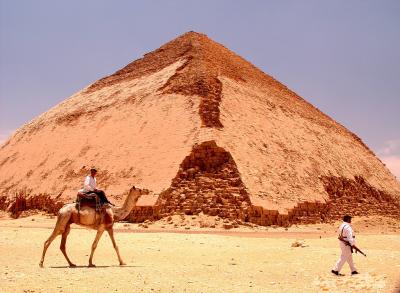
x: 89, y: 184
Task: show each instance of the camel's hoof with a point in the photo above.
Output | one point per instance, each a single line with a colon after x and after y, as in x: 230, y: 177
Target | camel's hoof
x: 41, y: 265
x: 91, y: 265
x: 72, y: 265
x: 122, y: 264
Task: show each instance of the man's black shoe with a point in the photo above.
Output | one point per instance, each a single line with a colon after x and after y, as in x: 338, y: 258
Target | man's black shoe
x: 336, y: 273
x: 354, y: 273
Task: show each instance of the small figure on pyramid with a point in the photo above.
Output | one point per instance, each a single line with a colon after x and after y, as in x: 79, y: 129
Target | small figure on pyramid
x: 89, y: 186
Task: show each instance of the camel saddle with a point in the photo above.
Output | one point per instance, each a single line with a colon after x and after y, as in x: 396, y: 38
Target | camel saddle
x: 88, y: 200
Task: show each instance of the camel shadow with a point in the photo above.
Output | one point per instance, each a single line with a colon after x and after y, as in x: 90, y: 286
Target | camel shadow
x: 96, y: 267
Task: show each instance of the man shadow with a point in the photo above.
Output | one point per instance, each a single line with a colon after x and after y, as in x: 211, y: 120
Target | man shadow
x: 96, y: 267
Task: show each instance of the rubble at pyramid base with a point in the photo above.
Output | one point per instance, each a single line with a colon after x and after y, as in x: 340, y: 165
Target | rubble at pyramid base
x: 208, y: 182
x: 346, y: 196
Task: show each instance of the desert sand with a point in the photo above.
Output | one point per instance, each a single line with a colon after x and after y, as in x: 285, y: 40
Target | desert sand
x: 182, y: 257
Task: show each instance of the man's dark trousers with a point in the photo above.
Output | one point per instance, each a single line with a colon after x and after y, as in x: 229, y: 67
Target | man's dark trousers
x: 101, y: 195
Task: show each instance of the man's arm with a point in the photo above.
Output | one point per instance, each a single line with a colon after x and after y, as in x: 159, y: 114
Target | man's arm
x: 350, y: 236
x: 95, y: 185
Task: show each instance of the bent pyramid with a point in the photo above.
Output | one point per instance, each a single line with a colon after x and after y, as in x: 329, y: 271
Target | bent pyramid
x: 205, y: 131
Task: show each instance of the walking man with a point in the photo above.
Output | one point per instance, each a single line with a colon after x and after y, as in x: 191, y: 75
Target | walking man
x: 346, y: 234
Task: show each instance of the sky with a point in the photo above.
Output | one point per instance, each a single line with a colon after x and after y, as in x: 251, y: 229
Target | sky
x: 342, y: 56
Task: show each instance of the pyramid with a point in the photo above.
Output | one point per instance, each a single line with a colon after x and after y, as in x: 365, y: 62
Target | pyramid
x: 204, y: 131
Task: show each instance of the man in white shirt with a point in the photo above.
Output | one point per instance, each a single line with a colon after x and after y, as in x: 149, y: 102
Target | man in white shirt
x: 345, y: 234
x: 89, y: 186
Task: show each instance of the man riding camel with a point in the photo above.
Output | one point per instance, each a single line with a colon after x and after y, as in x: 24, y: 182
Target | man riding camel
x: 89, y: 186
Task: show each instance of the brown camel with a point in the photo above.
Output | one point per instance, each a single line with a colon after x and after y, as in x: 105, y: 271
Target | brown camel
x: 89, y: 218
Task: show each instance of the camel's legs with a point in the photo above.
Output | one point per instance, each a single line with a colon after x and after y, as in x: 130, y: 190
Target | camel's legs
x: 47, y: 243
x: 61, y: 226
x: 111, y: 233
x: 94, y: 245
x: 63, y: 242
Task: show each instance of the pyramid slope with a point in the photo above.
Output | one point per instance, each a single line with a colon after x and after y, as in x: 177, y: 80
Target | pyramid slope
x: 283, y: 155
x: 205, y: 61
x: 138, y: 125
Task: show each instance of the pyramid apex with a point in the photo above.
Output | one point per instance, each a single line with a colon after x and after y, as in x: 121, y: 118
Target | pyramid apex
x: 192, y: 35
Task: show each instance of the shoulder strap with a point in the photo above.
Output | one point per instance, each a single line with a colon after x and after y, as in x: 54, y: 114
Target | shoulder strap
x: 341, y: 233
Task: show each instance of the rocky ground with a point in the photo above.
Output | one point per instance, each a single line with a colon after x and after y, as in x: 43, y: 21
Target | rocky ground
x: 199, y: 254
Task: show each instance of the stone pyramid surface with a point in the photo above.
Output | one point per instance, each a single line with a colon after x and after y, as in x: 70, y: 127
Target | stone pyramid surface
x: 205, y: 131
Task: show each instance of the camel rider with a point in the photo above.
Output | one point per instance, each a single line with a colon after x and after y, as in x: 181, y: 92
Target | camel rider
x: 89, y: 186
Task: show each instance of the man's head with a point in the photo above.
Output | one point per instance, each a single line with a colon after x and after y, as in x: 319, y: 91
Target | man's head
x: 347, y: 219
x: 93, y: 172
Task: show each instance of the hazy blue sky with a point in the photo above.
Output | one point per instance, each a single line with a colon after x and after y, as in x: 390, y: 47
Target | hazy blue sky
x: 342, y: 56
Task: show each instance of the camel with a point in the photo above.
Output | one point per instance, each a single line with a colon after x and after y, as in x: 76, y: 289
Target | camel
x: 89, y: 218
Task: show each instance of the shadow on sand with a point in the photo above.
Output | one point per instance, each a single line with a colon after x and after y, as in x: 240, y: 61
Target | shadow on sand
x: 96, y: 267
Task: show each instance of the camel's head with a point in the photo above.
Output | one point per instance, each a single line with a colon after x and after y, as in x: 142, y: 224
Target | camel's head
x: 137, y: 192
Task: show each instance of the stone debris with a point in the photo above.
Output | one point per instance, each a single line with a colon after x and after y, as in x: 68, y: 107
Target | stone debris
x: 299, y: 244
x: 227, y: 226
x: 207, y: 182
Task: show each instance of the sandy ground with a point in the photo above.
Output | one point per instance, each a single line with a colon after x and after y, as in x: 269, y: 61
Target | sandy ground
x: 162, y: 258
